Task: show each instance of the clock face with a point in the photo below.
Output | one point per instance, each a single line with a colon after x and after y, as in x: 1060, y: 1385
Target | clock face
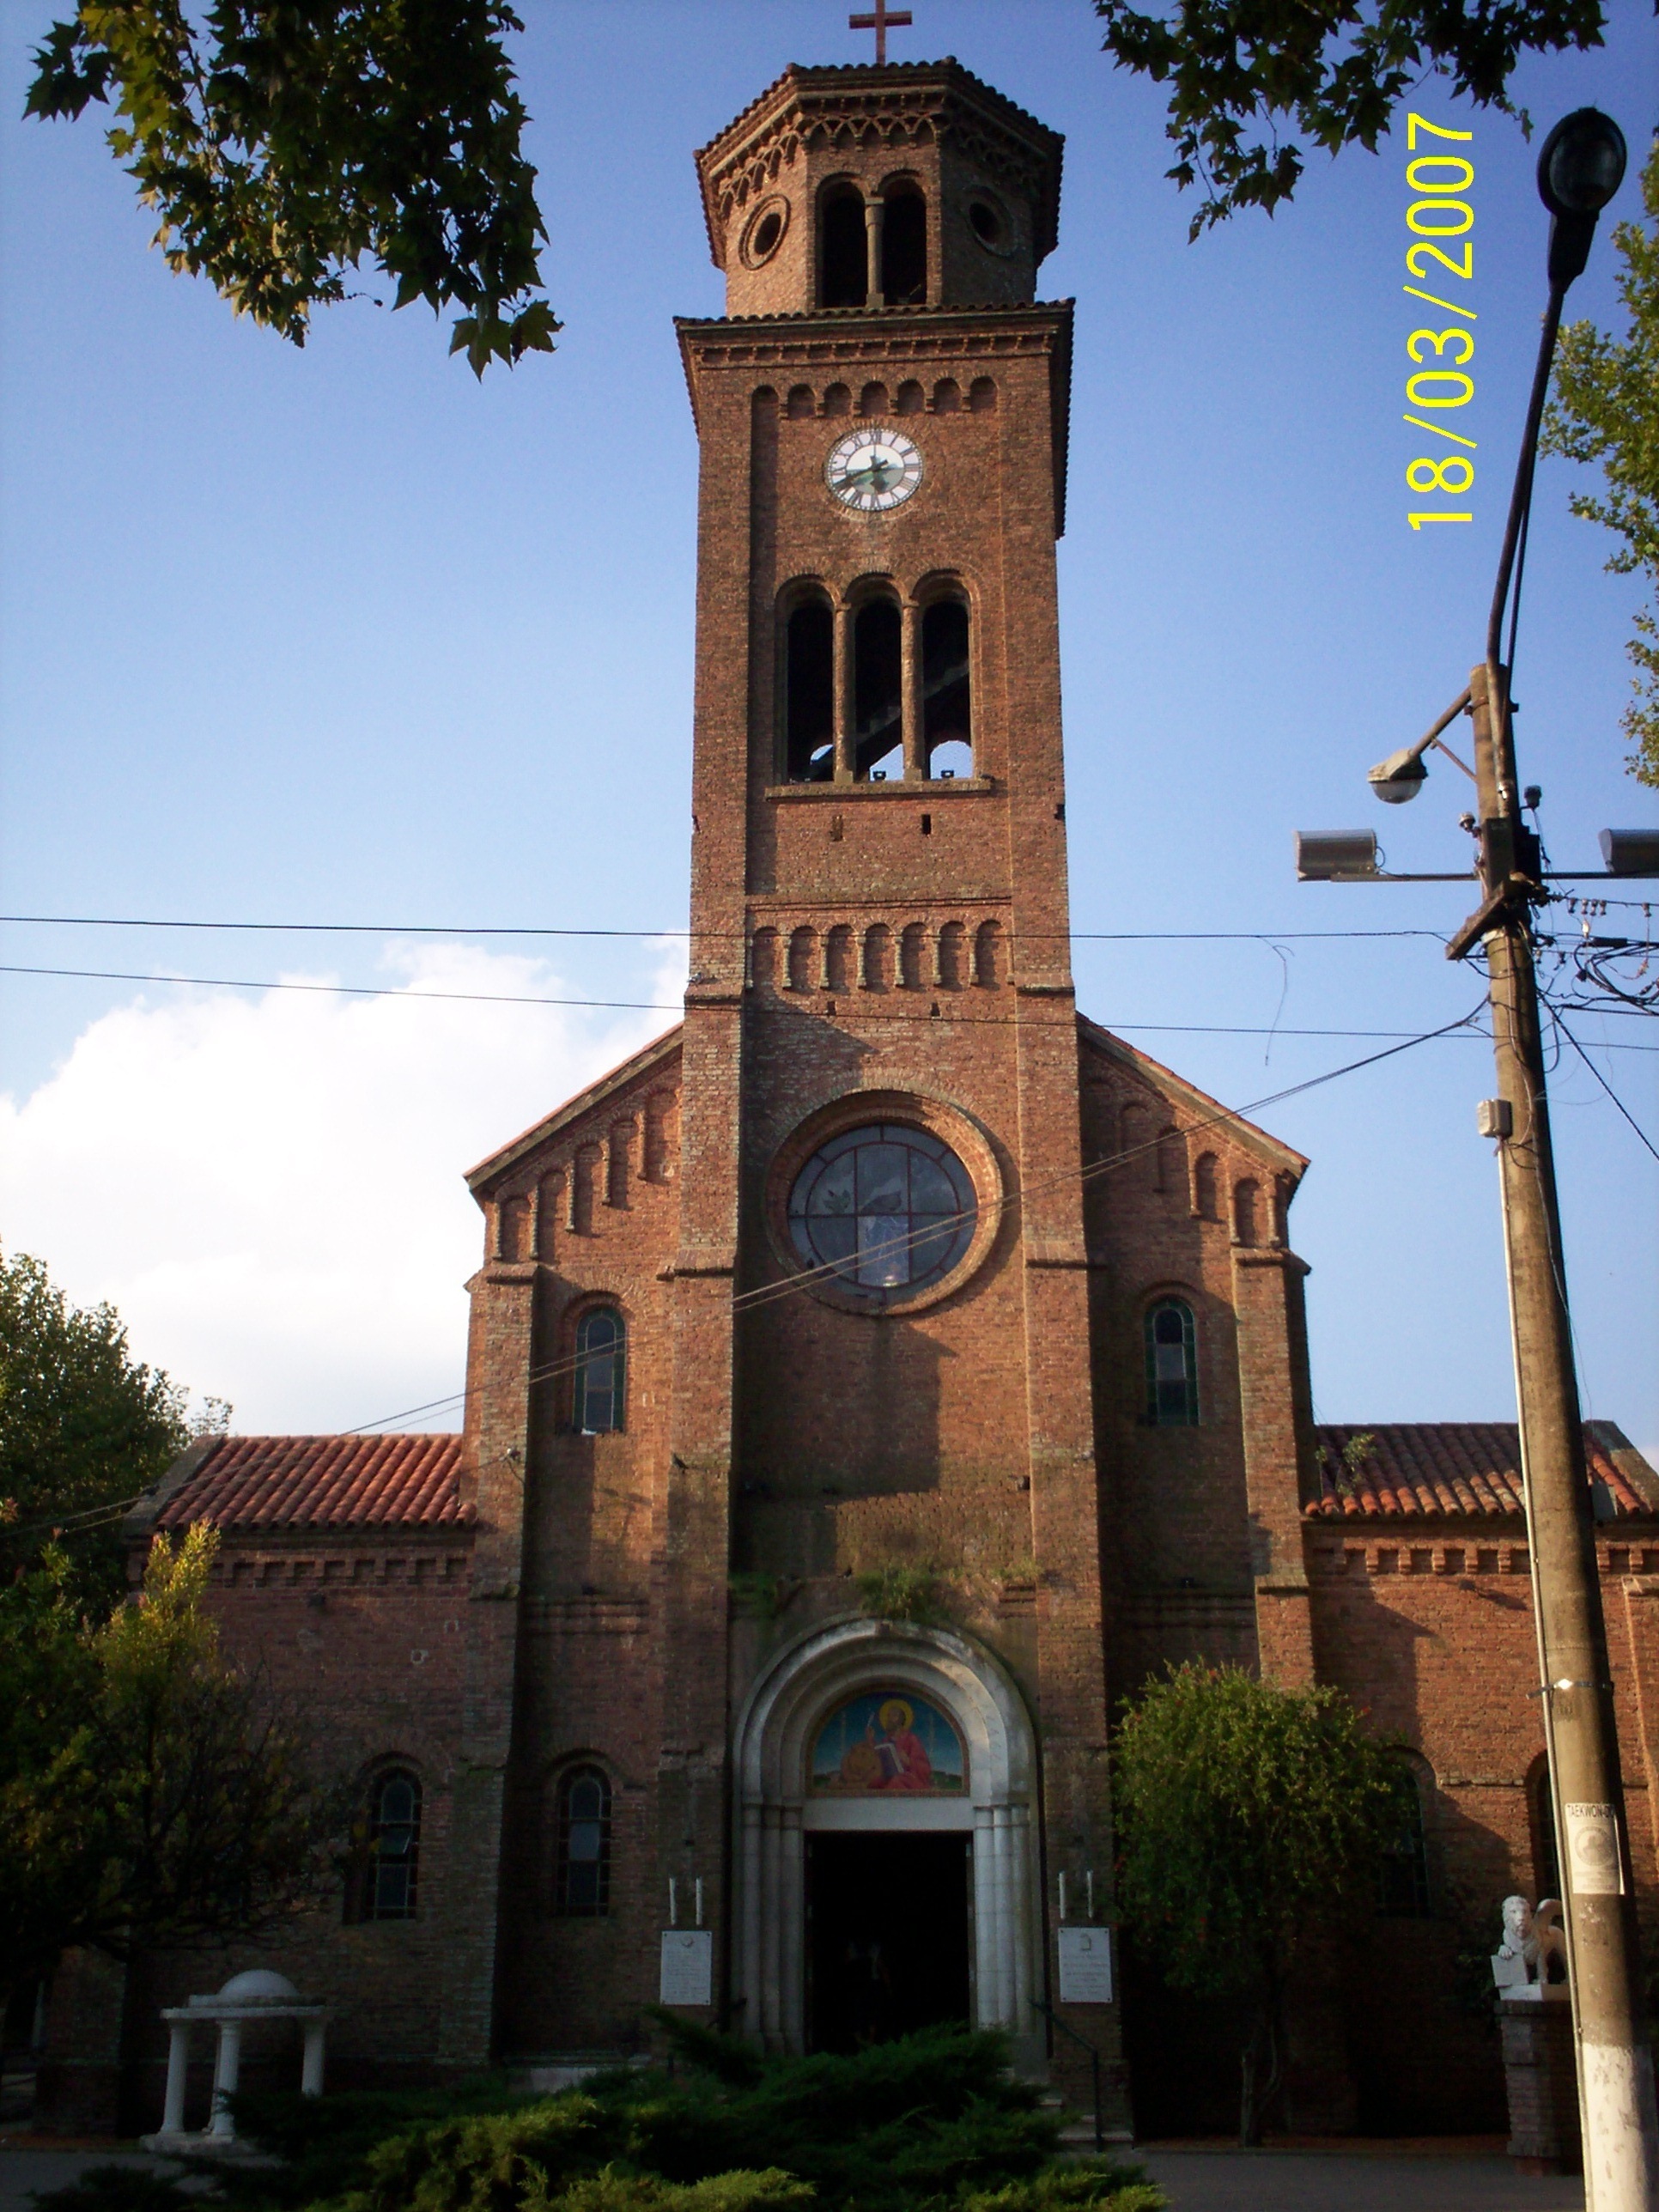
x: 872, y: 470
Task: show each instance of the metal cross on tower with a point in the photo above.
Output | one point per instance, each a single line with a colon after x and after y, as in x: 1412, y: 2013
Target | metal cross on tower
x: 880, y: 22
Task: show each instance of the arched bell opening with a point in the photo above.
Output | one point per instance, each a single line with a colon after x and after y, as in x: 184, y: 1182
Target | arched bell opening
x: 903, y: 245
x: 807, y: 736
x: 843, y: 256
x: 947, y: 703
x: 877, y: 691
x: 942, y: 1766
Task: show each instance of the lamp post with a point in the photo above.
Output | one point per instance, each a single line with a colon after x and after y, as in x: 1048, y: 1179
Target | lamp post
x: 1579, y: 168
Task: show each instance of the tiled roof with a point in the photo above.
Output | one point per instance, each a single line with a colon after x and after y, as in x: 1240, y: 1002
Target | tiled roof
x: 322, y: 1482
x: 1404, y: 1470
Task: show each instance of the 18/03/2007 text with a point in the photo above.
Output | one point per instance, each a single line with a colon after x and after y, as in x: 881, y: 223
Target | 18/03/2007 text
x: 1440, y: 358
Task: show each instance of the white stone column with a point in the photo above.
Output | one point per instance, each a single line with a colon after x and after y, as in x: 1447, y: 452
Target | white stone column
x: 771, y: 1929
x: 226, y: 2071
x: 749, y: 1905
x: 172, y: 2114
x: 1019, y: 1904
x: 988, y: 1960
x: 791, y: 1884
x: 311, y: 2065
x: 1007, y: 1984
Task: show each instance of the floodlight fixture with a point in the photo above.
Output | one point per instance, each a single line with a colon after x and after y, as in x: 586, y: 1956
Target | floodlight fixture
x: 1337, y: 856
x: 1631, y: 852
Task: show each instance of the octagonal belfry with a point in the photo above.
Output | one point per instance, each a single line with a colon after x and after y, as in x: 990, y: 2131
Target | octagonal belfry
x: 909, y: 184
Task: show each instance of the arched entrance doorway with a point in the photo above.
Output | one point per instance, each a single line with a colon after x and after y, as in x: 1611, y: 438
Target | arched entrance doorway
x: 919, y: 1702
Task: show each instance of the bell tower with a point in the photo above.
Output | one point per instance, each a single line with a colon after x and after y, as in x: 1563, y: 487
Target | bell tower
x: 881, y: 1356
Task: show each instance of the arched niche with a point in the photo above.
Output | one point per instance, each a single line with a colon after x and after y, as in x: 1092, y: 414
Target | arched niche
x: 775, y: 1808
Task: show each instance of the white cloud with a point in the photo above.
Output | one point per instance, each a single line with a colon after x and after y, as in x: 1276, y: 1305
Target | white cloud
x: 268, y: 1188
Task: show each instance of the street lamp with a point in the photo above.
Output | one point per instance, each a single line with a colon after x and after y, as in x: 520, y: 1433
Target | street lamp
x: 1580, y: 166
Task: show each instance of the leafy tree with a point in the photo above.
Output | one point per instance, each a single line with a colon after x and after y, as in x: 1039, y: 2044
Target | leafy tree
x: 84, y: 1426
x: 280, y: 142
x: 1246, y: 1811
x: 1333, y: 70
x: 150, y: 1798
x: 1604, y: 407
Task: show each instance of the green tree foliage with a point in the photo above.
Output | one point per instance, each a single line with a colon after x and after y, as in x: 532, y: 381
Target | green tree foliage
x: 83, y: 1427
x: 934, y: 2123
x: 149, y: 1799
x: 1246, y: 1811
x: 1246, y: 77
x: 1605, y: 408
x: 280, y: 142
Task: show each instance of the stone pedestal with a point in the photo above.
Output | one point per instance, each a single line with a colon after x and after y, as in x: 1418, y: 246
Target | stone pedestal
x: 1542, y: 2084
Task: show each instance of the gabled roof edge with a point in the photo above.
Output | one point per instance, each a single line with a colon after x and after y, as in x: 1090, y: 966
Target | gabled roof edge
x: 1212, y: 1110
x: 604, y: 1086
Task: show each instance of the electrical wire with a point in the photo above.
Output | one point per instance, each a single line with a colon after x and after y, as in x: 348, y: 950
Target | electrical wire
x: 768, y: 1293
x: 1641, y: 1132
x: 854, y: 1012
x: 765, y: 1294
x: 445, y: 929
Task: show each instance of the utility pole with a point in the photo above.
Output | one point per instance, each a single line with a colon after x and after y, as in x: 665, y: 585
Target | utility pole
x: 1580, y: 168
x: 1615, y: 2067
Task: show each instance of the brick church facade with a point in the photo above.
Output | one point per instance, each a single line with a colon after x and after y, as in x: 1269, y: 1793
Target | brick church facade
x: 875, y: 1379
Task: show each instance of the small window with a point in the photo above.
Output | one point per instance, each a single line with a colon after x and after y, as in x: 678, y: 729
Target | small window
x: 390, y: 1875
x: 1171, y: 1365
x: 599, y: 1363
x: 1402, y: 1868
x: 582, y: 1883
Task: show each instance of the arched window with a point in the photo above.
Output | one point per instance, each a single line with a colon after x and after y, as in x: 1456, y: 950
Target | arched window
x: 1402, y: 1866
x: 1171, y: 1365
x: 582, y: 1888
x: 947, y: 717
x: 904, y: 246
x: 877, y: 689
x: 809, y: 693
x: 843, y: 263
x: 391, y: 1868
x: 600, y: 1364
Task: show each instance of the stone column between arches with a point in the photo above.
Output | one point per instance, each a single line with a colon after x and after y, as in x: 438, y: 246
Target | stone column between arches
x: 773, y: 1813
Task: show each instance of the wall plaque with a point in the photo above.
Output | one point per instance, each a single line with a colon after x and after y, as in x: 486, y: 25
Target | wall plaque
x: 688, y: 1966
x: 1085, y: 1966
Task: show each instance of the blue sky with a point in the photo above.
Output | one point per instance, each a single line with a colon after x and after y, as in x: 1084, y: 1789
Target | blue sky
x: 341, y: 634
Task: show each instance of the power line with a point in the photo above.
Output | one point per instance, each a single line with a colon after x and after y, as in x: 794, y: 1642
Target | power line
x: 1601, y: 1080
x: 705, y: 936
x: 791, y: 1286
x: 855, y: 1010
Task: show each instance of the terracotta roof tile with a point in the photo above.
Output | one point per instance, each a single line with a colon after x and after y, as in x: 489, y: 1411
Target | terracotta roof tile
x: 323, y: 1482
x: 1405, y: 1470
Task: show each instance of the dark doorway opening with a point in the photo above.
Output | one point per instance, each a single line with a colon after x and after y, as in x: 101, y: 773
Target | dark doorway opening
x: 887, y: 1920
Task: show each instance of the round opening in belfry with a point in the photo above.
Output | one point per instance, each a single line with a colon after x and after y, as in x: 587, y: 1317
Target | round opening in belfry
x: 987, y: 221
x: 884, y: 1209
